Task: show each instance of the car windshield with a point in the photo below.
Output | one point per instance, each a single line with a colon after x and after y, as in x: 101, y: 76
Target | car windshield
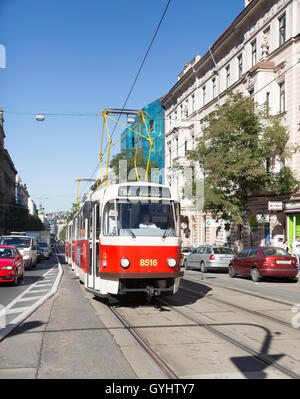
x: 16, y: 242
x: 43, y: 245
x: 223, y: 251
x: 6, y: 253
x: 274, y: 252
x: 141, y: 218
x: 186, y: 249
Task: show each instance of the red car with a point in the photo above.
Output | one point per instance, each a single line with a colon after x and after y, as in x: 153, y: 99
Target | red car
x: 11, y: 265
x: 259, y: 262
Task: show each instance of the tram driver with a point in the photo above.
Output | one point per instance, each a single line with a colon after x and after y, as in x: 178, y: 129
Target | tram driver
x: 146, y: 222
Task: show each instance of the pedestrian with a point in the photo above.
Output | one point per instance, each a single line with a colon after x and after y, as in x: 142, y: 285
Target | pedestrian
x: 296, y: 250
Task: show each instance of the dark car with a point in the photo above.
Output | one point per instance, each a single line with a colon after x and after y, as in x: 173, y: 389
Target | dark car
x: 259, y: 262
x: 40, y: 253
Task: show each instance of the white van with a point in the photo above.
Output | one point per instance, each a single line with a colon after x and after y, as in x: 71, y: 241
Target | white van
x: 26, y: 246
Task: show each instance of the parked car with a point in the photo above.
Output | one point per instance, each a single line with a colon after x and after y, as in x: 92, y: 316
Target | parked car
x: 259, y: 262
x: 185, y: 251
x: 209, y: 258
x: 26, y: 246
x: 46, y: 249
x: 11, y: 265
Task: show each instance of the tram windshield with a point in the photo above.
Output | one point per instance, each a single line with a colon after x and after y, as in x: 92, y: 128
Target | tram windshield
x: 141, y: 218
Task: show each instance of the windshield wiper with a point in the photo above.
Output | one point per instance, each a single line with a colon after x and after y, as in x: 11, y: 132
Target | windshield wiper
x: 130, y: 231
x: 167, y: 232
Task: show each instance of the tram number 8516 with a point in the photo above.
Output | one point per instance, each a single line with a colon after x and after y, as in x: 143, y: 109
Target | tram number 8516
x: 148, y: 262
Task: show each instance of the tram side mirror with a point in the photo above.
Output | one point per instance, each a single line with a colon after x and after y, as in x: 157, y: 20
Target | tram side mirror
x: 187, y: 233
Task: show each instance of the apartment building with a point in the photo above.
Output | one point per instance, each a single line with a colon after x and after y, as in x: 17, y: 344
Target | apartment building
x: 259, y: 55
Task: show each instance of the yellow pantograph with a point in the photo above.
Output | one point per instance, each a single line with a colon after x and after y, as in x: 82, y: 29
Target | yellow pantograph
x: 136, y: 127
x: 78, y: 192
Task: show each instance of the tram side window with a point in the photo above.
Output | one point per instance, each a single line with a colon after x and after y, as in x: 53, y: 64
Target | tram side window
x: 109, y: 220
x: 97, y: 220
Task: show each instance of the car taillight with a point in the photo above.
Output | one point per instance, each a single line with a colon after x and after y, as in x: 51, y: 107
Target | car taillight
x: 212, y: 257
x: 265, y: 262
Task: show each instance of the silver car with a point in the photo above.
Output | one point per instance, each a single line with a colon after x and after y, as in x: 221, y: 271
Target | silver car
x: 185, y: 252
x: 209, y: 258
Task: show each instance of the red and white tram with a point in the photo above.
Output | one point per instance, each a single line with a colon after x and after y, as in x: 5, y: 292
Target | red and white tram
x: 126, y: 238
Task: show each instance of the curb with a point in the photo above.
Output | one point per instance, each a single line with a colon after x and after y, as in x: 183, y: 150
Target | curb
x: 23, y: 316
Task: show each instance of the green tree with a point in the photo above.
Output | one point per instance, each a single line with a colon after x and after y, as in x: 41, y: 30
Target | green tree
x: 141, y: 163
x: 237, y: 151
x: 19, y: 219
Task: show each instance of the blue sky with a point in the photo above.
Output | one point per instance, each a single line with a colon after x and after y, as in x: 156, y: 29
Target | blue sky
x: 71, y: 56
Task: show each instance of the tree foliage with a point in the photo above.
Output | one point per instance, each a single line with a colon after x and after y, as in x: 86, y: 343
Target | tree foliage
x: 240, y: 152
x: 20, y: 220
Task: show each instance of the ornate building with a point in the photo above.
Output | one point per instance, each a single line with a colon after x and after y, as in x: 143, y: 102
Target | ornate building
x: 259, y: 55
x: 7, y: 180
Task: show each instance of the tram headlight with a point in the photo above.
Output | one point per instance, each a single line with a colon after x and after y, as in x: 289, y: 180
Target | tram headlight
x: 171, y: 262
x: 124, y: 262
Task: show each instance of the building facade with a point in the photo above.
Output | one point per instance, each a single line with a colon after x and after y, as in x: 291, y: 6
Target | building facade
x: 7, y: 180
x: 22, y: 195
x: 155, y: 115
x: 259, y: 56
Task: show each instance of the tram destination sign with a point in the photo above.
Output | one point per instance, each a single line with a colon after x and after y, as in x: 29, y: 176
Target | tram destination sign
x: 144, y: 191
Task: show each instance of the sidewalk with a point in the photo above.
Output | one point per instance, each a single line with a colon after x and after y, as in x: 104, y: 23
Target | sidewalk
x: 65, y: 338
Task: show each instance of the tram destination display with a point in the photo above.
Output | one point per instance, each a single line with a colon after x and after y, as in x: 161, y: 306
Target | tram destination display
x: 144, y: 191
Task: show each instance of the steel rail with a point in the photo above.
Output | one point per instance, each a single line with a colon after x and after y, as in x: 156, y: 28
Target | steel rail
x: 265, y: 359
x: 164, y: 367
x: 240, y: 291
x: 254, y: 312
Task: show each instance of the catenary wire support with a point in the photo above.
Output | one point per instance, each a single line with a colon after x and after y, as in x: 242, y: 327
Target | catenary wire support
x: 136, y: 127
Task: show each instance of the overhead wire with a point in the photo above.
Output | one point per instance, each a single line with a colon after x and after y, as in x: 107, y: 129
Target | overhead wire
x: 135, y: 80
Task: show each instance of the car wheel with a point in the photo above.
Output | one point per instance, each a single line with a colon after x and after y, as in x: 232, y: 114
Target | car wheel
x: 255, y: 275
x: 231, y: 271
x: 185, y: 264
x: 15, y: 282
x: 203, y: 267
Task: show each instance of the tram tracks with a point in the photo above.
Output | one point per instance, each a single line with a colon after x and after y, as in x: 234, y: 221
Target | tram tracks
x: 262, y: 357
x: 156, y: 358
x: 135, y: 330
x: 237, y: 290
x: 241, y: 308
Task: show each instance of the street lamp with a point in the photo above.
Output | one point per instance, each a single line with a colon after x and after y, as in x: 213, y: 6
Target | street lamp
x: 40, y: 117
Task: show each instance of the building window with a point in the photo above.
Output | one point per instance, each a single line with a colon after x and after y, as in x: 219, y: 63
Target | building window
x: 213, y: 87
x: 282, y: 29
x: 253, y: 53
x: 268, y: 103
x: 240, y: 66
x: 204, y: 94
x: 132, y: 142
x: 282, y: 97
x: 170, y: 153
x: 151, y: 125
x: 251, y: 93
x: 227, y: 76
x: 176, y: 147
x: 185, y: 147
x: 193, y: 103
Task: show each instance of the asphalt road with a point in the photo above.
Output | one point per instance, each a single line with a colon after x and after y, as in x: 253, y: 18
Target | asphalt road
x: 8, y: 292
